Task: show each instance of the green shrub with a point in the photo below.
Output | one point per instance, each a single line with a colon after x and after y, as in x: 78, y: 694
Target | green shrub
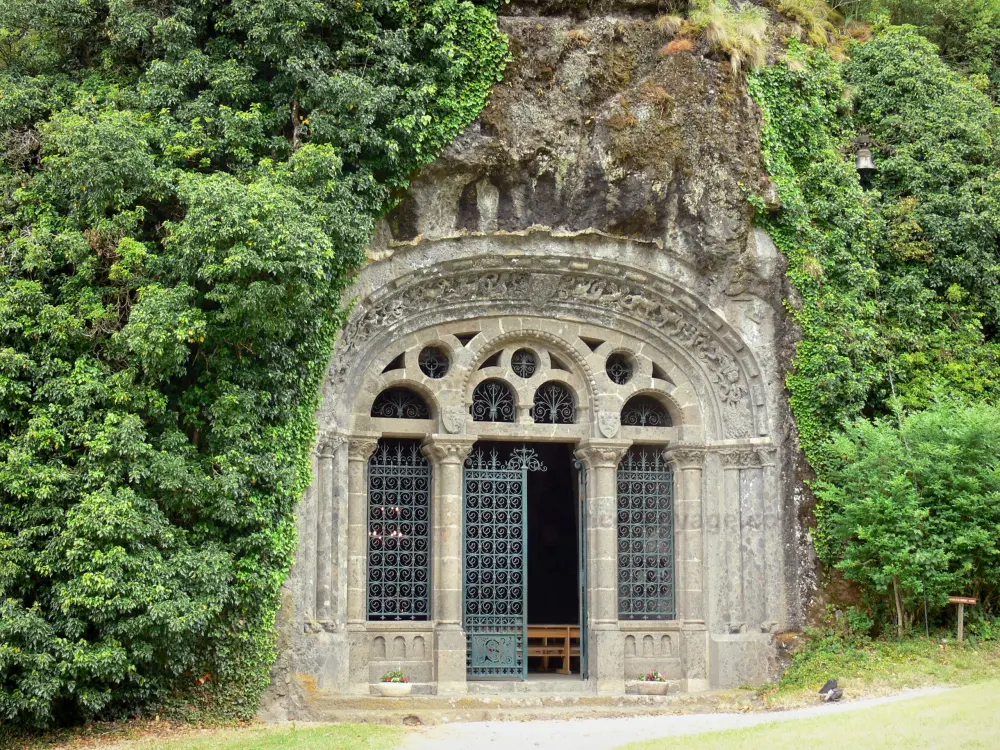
x: 186, y: 188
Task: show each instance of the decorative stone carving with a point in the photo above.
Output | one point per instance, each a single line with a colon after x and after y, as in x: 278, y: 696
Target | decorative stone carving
x: 361, y: 448
x: 686, y: 457
x: 453, y: 418
x: 453, y: 449
x: 328, y: 443
x: 608, y: 422
x: 741, y: 458
x: 599, y: 454
x: 672, y: 312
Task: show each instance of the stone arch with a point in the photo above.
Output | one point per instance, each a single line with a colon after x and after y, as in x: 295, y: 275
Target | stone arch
x: 716, y: 381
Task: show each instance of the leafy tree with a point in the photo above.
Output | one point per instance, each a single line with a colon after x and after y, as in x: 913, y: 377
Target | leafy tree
x: 186, y: 187
x: 913, y: 508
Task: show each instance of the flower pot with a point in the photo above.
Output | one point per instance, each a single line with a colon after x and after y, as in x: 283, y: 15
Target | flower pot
x: 394, y: 689
x: 653, y: 688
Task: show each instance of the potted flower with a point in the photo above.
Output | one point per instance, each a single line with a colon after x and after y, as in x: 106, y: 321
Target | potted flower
x: 394, y: 684
x: 653, y: 683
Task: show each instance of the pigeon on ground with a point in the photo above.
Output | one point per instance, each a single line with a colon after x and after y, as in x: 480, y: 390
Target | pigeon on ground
x: 830, y: 692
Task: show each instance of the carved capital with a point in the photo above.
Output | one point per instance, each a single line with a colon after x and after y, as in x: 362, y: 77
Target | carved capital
x: 602, y: 454
x: 447, y: 449
x: 361, y: 447
x: 741, y: 458
x: 328, y: 443
x: 685, y: 456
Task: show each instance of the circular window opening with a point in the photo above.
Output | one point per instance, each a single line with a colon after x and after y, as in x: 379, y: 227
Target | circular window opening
x: 524, y: 363
x: 433, y: 362
x: 620, y: 367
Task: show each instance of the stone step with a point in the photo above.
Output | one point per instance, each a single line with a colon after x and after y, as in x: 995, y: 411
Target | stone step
x: 435, y: 709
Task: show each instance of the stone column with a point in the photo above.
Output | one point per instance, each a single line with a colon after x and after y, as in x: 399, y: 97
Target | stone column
x: 689, y: 461
x: 326, y: 557
x: 605, y: 644
x: 359, y: 450
x: 447, y: 454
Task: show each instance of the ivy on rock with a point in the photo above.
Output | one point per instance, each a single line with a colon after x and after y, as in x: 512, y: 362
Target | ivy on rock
x: 186, y: 188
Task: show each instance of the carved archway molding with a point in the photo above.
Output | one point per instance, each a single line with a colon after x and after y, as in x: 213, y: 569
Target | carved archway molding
x: 711, y: 353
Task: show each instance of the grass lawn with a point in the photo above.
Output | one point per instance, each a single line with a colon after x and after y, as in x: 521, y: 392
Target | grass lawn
x: 968, y: 717
x: 179, y: 737
x: 880, y: 668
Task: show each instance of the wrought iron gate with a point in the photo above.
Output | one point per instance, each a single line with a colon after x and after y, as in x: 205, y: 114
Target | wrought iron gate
x: 496, y: 562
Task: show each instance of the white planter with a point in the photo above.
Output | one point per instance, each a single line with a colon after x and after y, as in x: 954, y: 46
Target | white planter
x: 394, y: 689
x: 653, y: 688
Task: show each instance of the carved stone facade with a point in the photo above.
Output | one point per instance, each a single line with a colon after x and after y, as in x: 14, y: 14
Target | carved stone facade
x: 472, y: 311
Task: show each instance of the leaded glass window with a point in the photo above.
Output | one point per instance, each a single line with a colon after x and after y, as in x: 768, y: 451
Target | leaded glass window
x: 493, y: 401
x: 645, y: 411
x: 645, y: 536
x: 400, y: 403
x: 399, y: 495
x: 554, y: 404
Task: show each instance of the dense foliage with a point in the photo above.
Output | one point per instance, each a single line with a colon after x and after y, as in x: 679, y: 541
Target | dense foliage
x: 898, y: 306
x: 186, y: 187
x: 913, y: 507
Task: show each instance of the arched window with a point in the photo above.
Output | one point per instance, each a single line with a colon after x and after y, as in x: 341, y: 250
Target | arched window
x: 554, y: 404
x: 399, y: 500
x: 645, y: 411
x: 493, y: 401
x: 645, y: 536
x: 400, y: 403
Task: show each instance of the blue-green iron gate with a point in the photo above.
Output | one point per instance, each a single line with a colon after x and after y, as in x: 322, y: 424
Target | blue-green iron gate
x: 496, y: 562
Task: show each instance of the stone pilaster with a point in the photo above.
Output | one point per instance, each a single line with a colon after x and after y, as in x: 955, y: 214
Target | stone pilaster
x: 689, y: 462
x: 326, y: 550
x: 359, y: 450
x: 606, y: 646
x: 447, y: 454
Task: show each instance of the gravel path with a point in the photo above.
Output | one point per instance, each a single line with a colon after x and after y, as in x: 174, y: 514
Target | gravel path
x: 604, y: 734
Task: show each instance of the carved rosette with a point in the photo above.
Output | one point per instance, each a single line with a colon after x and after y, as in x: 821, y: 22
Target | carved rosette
x: 361, y: 448
x: 447, y: 449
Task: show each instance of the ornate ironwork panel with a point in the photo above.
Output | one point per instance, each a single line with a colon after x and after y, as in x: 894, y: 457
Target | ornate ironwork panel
x: 645, y: 411
x: 619, y: 368
x: 400, y: 403
x: 524, y: 363
x: 433, y: 362
x: 554, y: 404
x: 399, y: 493
x: 493, y: 401
x: 496, y: 562
x: 645, y: 536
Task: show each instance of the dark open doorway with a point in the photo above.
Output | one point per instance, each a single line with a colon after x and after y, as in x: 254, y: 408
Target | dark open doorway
x: 553, y: 539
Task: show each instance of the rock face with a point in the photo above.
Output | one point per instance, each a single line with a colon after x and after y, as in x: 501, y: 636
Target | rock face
x: 597, y: 128
x: 597, y: 206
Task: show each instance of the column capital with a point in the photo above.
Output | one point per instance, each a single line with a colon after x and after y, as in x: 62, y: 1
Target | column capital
x: 685, y: 456
x: 598, y: 454
x: 447, y: 449
x: 328, y: 442
x: 361, y: 447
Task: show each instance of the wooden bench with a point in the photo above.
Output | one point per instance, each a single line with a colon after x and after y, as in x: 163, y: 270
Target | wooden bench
x: 554, y: 642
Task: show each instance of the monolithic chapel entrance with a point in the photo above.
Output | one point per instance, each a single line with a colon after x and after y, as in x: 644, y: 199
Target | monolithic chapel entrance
x: 534, y: 467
